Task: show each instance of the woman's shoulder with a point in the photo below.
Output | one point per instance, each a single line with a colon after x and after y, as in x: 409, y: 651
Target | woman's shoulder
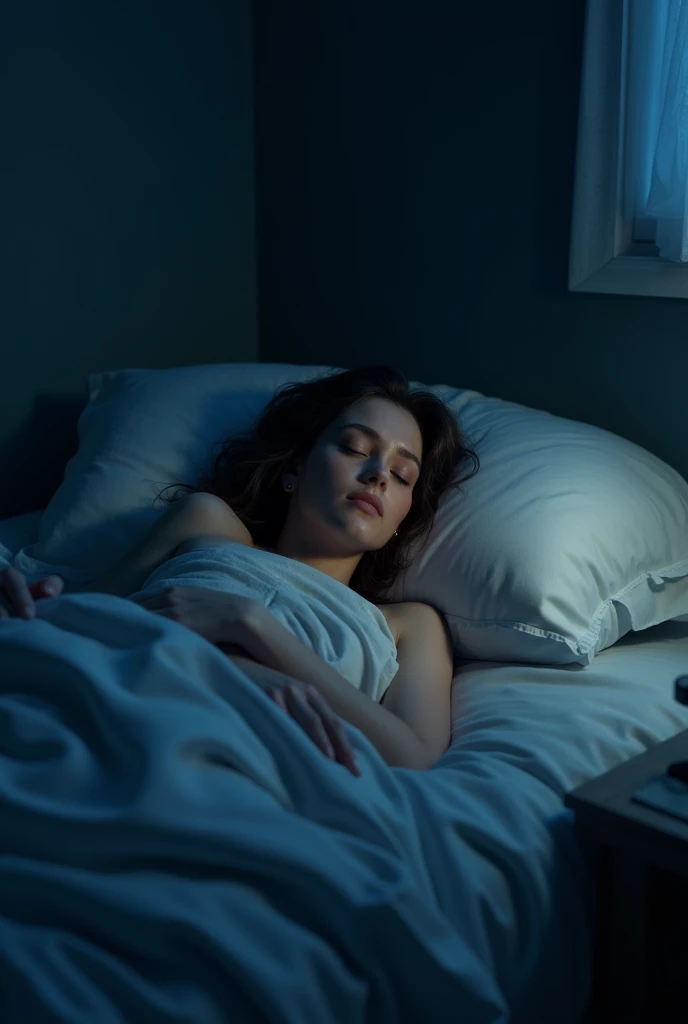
x: 397, y: 615
x: 207, y: 517
x: 403, y: 616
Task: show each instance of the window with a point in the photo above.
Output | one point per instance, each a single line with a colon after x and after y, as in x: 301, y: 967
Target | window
x: 614, y: 240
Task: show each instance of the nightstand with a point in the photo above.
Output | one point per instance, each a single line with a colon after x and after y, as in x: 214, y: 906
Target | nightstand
x: 640, y: 973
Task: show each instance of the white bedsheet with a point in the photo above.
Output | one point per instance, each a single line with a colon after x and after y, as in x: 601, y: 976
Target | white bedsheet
x: 173, y: 848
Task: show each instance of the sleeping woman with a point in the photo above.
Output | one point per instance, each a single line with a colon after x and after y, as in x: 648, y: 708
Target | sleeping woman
x: 321, y: 500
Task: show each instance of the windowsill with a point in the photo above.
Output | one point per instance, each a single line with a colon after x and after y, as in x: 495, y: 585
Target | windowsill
x: 638, y: 275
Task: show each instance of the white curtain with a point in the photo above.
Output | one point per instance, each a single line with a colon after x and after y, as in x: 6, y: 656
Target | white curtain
x: 657, y: 120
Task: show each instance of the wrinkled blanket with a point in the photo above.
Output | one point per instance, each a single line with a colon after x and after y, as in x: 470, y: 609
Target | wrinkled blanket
x: 173, y: 848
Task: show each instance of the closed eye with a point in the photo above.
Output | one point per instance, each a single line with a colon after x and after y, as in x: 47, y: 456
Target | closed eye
x: 346, y: 448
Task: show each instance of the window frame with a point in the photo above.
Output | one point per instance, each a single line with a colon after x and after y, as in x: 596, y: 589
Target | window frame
x: 604, y: 255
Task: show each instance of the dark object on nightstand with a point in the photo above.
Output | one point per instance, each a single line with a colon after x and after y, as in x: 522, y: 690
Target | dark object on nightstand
x: 641, y: 940
x: 678, y: 770
x: 668, y: 793
x: 681, y: 689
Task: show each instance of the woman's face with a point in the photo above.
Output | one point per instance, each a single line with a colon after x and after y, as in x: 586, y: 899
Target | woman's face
x: 322, y: 520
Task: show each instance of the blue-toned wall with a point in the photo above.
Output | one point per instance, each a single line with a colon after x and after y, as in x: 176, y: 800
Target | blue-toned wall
x: 126, y: 208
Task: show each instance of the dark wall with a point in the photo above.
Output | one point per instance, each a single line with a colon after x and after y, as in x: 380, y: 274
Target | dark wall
x: 126, y: 207
x: 415, y: 169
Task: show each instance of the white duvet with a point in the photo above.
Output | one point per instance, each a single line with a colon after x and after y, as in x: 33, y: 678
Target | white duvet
x: 175, y: 849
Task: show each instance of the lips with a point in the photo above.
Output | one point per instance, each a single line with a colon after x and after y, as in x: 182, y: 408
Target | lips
x: 372, y: 499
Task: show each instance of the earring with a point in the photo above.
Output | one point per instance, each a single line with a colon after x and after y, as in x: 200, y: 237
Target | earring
x: 396, y: 533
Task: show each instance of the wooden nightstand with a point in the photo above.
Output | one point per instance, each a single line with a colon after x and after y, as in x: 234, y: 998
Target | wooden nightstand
x: 641, y: 941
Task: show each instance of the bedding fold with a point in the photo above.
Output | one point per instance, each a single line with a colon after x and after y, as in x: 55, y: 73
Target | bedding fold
x: 173, y: 848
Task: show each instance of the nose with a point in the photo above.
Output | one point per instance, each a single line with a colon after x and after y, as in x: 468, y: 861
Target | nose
x: 375, y: 476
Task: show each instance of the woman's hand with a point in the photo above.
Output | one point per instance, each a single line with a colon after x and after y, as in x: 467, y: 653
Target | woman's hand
x: 317, y: 719
x: 212, y: 614
x: 305, y: 705
x: 17, y: 597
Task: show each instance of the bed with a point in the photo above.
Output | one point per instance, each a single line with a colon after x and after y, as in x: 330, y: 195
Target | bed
x: 174, y: 848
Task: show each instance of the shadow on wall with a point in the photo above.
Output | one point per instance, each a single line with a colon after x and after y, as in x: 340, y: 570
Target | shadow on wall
x: 33, y: 460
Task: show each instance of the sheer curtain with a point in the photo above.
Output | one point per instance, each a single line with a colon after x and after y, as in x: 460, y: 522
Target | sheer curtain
x: 656, y: 120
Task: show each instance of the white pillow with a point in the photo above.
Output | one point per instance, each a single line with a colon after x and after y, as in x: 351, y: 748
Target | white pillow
x: 140, y: 431
x: 567, y: 538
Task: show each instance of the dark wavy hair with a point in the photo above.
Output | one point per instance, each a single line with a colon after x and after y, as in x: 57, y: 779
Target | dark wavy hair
x: 247, y: 472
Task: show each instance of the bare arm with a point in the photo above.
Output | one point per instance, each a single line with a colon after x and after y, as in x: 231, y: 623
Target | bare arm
x: 267, y: 641
x: 193, y: 515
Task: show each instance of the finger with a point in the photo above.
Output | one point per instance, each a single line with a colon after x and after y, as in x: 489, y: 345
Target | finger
x: 7, y: 610
x: 308, y: 719
x: 40, y: 591
x: 51, y: 586
x: 336, y: 732
x: 346, y: 754
x: 18, y: 593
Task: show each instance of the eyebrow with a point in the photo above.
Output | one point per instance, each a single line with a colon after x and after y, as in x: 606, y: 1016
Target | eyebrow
x: 376, y: 437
